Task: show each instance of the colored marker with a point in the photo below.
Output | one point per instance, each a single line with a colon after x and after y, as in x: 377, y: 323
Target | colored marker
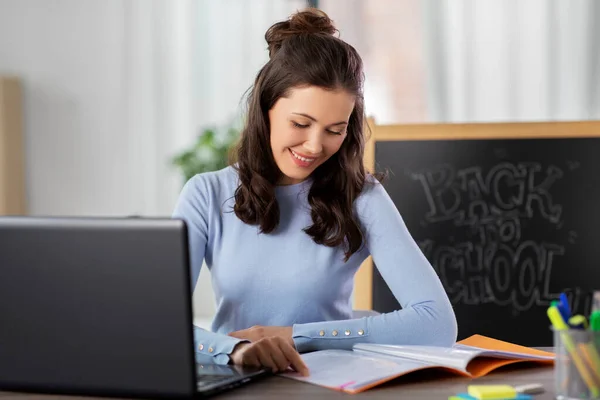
x: 559, y: 324
x: 467, y: 396
x: 565, y: 302
x: 595, y: 321
x: 588, y: 349
x: 563, y: 306
x: 595, y: 327
x: 578, y: 322
x: 590, y: 355
x: 559, y: 306
x: 483, y: 392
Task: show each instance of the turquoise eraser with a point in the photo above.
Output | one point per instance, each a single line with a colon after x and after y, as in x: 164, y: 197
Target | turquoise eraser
x: 465, y: 396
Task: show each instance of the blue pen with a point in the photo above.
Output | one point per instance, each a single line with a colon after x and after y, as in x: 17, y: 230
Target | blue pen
x: 565, y: 301
x: 563, y: 307
x: 563, y: 311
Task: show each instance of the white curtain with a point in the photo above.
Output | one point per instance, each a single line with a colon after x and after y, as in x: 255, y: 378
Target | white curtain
x: 388, y: 34
x: 158, y: 102
x: 512, y: 60
x: 186, y: 66
x: 230, y: 50
x: 475, y: 60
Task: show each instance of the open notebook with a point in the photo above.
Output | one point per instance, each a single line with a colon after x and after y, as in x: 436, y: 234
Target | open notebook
x: 369, y: 365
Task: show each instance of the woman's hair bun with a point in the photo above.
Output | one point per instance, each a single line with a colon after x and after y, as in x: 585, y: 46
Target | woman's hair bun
x: 311, y: 20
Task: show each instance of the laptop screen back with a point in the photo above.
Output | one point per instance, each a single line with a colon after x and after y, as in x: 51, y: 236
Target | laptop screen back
x: 95, y: 306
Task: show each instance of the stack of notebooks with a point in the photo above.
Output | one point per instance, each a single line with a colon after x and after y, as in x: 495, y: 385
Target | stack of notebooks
x: 369, y: 365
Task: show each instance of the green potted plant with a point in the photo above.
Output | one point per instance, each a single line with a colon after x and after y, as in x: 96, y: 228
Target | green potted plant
x: 210, y: 151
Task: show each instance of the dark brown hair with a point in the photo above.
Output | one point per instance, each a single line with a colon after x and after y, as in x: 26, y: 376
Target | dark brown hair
x: 303, y: 51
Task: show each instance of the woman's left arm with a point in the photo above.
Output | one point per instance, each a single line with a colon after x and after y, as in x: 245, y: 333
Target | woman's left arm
x: 426, y: 317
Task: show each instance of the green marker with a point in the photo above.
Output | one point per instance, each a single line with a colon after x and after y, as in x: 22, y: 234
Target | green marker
x: 595, y: 321
x: 595, y: 328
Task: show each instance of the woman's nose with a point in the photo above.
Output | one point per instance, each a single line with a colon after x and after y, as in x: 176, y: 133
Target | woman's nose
x: 314, y: 143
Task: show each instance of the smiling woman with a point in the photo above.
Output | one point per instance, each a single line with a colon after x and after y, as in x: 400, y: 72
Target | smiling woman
x: 285, y: 228
x: 305, y: 119
x: 303, y: 140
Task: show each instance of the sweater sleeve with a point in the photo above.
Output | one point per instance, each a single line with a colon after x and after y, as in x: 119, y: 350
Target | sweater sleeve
x: 426, y: 316
x: 192, y: 207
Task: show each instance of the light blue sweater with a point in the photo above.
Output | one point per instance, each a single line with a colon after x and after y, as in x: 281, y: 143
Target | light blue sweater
x: 285, y: 279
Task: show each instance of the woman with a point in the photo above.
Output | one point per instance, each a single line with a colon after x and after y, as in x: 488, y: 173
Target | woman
x: 285, y: 229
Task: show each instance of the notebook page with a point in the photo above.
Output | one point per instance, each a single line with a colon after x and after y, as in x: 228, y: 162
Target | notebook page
x: 461, y: 353
x: 351, y: 371
x: 456, y: 358
x: 483, y: 342
x: 505, y: 354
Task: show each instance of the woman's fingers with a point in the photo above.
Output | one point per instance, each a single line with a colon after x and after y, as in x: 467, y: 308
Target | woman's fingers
x: 272, y: 352
x: 293, y: 357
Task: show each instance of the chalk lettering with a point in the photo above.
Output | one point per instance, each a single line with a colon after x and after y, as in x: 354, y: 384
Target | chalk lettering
x: 467, y: 196
x: 498, y: 263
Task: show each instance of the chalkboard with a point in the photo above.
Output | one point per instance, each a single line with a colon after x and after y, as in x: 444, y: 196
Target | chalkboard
x: 506, y: 223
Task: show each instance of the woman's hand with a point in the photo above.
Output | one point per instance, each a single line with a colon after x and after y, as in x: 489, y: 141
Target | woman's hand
x: 271, y: 352
x: 258, y: 332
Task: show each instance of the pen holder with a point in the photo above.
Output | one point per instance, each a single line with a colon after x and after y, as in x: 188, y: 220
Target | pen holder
x: 577, y: 364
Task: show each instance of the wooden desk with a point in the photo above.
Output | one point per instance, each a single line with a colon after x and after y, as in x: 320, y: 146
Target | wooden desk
x: 425, y: 385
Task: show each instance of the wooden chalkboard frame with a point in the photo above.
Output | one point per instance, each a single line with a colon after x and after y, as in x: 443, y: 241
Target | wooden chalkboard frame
x: 363, y: 280
x: 12, y: 159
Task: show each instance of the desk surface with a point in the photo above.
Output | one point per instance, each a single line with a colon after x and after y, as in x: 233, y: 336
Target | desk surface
x: 422, y: 385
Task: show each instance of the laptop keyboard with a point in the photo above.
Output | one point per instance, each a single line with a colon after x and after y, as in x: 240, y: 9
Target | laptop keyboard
x: 209, y: 380
x: 212, y: 378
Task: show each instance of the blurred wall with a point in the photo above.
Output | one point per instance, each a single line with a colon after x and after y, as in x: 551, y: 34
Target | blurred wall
x: 68, y: 54
x: 114, y: 88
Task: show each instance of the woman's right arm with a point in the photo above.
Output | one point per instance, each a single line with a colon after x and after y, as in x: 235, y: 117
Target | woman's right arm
x: 193, y: 207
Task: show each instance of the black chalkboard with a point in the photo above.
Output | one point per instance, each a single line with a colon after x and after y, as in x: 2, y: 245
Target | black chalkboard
x: 506, y: 223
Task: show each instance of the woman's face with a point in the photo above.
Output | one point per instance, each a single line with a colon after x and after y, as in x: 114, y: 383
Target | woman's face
x: 307, y: 127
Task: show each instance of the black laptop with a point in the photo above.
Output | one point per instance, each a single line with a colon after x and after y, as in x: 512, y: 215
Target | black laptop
x: 101, y: 306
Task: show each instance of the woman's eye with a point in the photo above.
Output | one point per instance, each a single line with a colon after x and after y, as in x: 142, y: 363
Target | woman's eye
x: 297, y: 125
x: 336, y: 132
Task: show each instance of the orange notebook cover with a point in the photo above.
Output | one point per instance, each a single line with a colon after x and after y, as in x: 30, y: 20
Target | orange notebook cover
x: 369, y: 365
